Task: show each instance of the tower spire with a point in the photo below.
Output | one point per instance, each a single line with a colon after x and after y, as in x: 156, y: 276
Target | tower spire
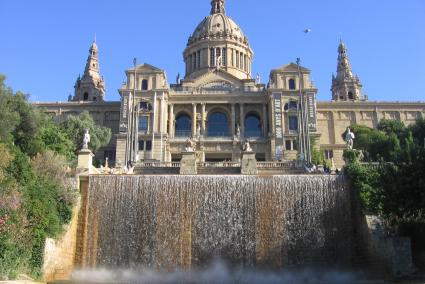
x: 91, y: 87
x: 217, y: 7
x: 345, y: 86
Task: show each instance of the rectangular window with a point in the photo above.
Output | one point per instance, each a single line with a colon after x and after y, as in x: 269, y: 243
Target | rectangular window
x: 244, y: 63
x: 194, y: 61
x: 288, y: 145
x: 148, y: 145
x: 212, y: 56
x: 190, y: 62
x: 141, y: 145
x: 233, y: 58
x: 237, y: 59
x: 199, y: 59
x: 293, y: 123
x: 143, y: 123
x: 329, y: 154
x: 224, y: 52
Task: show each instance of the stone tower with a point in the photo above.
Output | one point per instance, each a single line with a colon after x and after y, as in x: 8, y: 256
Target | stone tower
x: 91, y: 87
x: 345, y: 85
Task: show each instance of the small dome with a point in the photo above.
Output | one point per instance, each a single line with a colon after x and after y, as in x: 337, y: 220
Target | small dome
x: 218, y: 26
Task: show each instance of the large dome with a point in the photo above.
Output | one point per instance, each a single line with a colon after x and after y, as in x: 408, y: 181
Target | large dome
x: 218, y: 26
x: 218, y: 43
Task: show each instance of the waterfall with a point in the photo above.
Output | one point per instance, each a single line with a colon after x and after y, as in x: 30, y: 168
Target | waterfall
x: 172, y: 222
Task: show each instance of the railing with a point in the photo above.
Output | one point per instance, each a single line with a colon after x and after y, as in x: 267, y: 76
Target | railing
x: 219, y: 165
x: 289, y: 164
x: 160, y: 165
x: 253, y: 134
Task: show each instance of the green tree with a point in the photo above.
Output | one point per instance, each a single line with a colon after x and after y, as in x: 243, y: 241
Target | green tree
x: 75, y: 126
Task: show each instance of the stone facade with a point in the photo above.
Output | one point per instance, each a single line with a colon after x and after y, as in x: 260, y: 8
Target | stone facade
x: 219, y: 105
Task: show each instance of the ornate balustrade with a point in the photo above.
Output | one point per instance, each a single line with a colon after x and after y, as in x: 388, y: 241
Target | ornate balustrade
x: 219, y: 165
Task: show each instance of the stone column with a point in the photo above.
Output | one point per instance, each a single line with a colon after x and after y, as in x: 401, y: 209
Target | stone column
x: 264, y: 121
x: 194, y: 120
x: 242, y: 120
x: 171, y: 121
x: 233, y: 121
x: 203, y: 119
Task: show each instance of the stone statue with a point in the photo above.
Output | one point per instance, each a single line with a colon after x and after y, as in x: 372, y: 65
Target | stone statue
x: 349, y: 138
x: 258, y: 79
x: 247, y: 147
x: 198, y: 130
x: 178, y: 79
x: 189, y: 146
x: 86, y: 140
x: 218, y: 62
x: 238, y: 131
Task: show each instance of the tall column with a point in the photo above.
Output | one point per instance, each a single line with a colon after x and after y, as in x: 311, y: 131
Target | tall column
x: 233, y: 121
x: 171, y: 121
x: 242, y: 120
x: 203, y: 119
x: 194, y: 120
x: 264, y: 120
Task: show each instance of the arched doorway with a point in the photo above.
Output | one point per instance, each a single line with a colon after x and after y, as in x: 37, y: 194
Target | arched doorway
x: 218, y: 125
x: 183, y: 127
x: 253, y: 126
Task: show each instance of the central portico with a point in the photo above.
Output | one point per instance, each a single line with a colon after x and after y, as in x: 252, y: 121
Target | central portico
x: 218, y: 105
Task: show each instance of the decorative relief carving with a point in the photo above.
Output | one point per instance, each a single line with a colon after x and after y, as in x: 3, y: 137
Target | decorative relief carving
x: 367, y: 115
x: 345, y: 115
x: 219, y: 85
x: 393, y: 115
x: 324, y: 115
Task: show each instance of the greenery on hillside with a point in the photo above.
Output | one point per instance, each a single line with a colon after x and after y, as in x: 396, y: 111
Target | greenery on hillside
x: 35, y: 198
x: 394, y: 190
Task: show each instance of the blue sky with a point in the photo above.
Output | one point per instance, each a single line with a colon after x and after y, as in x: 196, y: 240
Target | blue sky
x: 44, y: 43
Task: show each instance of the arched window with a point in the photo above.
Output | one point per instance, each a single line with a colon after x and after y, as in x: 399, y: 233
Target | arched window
x: 144, y: 84
x: 253, y: 126
x: 86, y: 96
x: 218, y: 125
x: 291, y: 84
x: 350, y: 96
x: 183, y: 125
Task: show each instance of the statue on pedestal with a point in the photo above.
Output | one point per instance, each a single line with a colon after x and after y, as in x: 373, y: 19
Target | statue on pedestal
x: 189, y: 146
x: 238, y: 131
x: 247, y: 147
x: 349, y: 138
x: 86, y: 140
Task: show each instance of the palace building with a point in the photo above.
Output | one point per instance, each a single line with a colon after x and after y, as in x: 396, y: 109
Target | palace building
x: 219, y: 105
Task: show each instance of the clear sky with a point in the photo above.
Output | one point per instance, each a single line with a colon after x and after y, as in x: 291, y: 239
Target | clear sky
x: 44, y: 44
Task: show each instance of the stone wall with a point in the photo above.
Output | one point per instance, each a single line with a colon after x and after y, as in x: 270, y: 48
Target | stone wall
x: 59, y: 254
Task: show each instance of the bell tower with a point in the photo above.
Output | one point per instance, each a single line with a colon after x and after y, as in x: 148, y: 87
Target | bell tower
x: 91, y: 87
x: 345, y: 85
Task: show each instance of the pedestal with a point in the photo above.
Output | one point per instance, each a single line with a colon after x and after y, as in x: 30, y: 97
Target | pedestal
x: 188, y: 164
x: 85, y: 160
x: 249, y: 164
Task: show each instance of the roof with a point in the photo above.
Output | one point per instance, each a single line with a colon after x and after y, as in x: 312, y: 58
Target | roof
x: 291, y: 67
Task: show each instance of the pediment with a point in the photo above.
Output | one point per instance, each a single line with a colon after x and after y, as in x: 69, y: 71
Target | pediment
x: 145, y: 68
x: 218, y: 81
x: 291, y: 67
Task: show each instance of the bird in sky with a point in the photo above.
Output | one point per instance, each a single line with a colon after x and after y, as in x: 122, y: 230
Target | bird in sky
x: 306, y: 31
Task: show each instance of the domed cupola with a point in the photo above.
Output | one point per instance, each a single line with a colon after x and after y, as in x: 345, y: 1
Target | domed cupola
x: 218, y: 43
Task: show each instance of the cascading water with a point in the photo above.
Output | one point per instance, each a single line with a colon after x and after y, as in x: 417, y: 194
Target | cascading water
x: 170, y: 222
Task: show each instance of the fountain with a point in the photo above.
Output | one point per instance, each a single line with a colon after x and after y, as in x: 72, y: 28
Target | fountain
x: 167, y: 223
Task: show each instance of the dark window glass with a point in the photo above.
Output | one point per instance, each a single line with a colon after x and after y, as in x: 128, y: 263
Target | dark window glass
x: 293, y: 123
x: 148, y: 145
x: 253, y: 126
x: 141, y: 145
x: 183, y: 126
x: 350, y: 96
x: 291, y: 84
x: 293, y: 105
x: 218, y: 125
x: 224, y: 57
x: 212, y: 57
x: 288, y: 145
x: 143, y: 123
x: 144, y: 84
x: 86, y: 96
